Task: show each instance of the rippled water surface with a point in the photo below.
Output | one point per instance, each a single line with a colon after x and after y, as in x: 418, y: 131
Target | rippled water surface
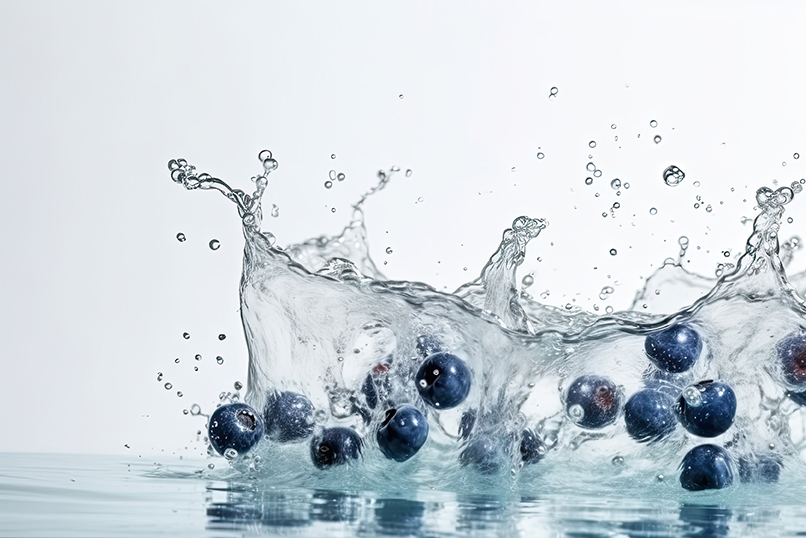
x: 80, y: 495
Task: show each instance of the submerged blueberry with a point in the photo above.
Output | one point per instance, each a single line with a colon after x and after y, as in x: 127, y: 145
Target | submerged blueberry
x: 236, y: 426
x: 792, y: 356
x: 706, y: 409
x: 532, y: 447
x: 484, y: 453
x: 289, y: 417
x: 443, y: 380
x: 760, y: 467
x: 335, y: 446
x: 402, y: 433
x: 592, y: 401
x: 675, y: 349
x: 706, y: 467
x: 649, y: 416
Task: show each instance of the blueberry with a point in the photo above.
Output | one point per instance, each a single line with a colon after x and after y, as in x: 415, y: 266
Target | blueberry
x: 235, y: 426
x: 335, y: 446
x: 484, y: 453
x: 428, y: 345
x: 289, y: 417
x: 443, y: 380
x: 792, y: 355
x: 402, y: 433
x: 706, y: 409
x: 706, y: 467
x: 675, y: 349
x: 532, y: 447
x: 592, y: 402
x: 649, y: 416
x: 760, y: 468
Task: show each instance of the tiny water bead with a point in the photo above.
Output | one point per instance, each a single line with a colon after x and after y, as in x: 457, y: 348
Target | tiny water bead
x: 796, y: 156
x: 219, y: 359
x: 613, y: 126
x: 540, y: 155
x: 528, y: 280
x: 332, y: 155
x: 588, y: 181
x: 408, y: 173
x: 340, y: 176
x: 222, y: 336
x: 653, y: 124
x: 673, y: 176
x: 198, y: 357
x: 389, y: 250
x: 553, y: 92
x: 613, y: 252
x: 168, y: 386
x: 615, y: 184
x: 653, y: 211
x: 181, y: 237
x: 657, y: 139
x: 328, y: 184
x: 214, y: 244
x: 592, y: 144
x: 400, y: 96
x: 275, y: 211
x: 186, y: 336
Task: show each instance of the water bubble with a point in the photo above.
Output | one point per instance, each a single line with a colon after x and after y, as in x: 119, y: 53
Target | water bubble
x: 553, y: 92
x: 176, y: 360
x: 420, y: 199
x: 626, y: 186
x: 512, y: 169
x: 179, y: 393
x: 332, y: 175
x: 328, y: 184
x: 616, y: 205
x: 673, y: 175
x: 211, y: 466
x: 590, y: 167
x: 332, y: 155
x: 159, y: 376
x: 238, y: 385
x: 613, y: 252
x: 388, y: 250
x: 683, y: 242
x: 222, y: 336
x: 219, y: 359
x: 400, y: 96
x: 269, y: 165
x: 195, y: 409
x: 527, y: 280
x: 657, y: 139
x: 653, y: 124
x: 606, y: 292
x: 692, y: 396
x: 783, y: 163
x: 230, y: 454
x: 609, y: 309
x: 185, y: 411
x: 181, y: 237
x: 613, y: 126
x: 214, y: 244
x: 264, y: 155
x: 708, y: 208
x: 597, y: 173
x: 592, y: 144
x: 540, y: 155
x: 796, y: 156
x: 615, y: 138
x: 653, y: 211
x: 588, y: 181
x: 332, y: 209
x: 796, y: 187
x: 186, y: 336
x: 408, y: 172
x: 615, y: 184
x: 618, y: 460
x: 340, y: 176
x: 195, y: 368
x: 168, y: 386
x: 198, y: 357
x: 790, y: 220
x: 576, y: 412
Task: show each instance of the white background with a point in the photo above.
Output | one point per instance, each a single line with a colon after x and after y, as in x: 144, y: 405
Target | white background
x: 96, y: 97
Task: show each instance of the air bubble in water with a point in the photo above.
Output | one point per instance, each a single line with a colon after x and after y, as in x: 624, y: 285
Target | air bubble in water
x: 592, y: 144
x: 576, y: 412
x: 527, y: 280
x: 181, y: 237
x: 219, y: 359
x: 613, y: 252
x: 540, y: 155
x: 653, y: 211
x: 168, y: 386
x: 590, y: 167
x: 332, y: 174
x: 615, y: 184
x: 657, y: 139
x: 186, y: 336
x: 609, y: 309
x: 238, y: 385
x: 328, y: 184
x: 195, y: 409
x: 214, y: 244
x: 553, y: 92
x: 653, y: 124
x: 692, y: 396
x: 673, y: 175
x: 616, y: 205
x: 341, y: 176
x: 618, y: 461
x: 389, y: 250
x: 790, y: 220
x: 796, y: 187
x: 230, y: 454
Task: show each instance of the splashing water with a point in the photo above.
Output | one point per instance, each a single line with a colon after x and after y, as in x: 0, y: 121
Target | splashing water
x: 321, y: 320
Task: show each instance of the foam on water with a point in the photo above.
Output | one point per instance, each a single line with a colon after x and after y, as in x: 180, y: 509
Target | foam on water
x: 319, y: 317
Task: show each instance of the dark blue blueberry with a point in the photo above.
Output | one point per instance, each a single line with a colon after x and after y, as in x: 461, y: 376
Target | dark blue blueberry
x: 335, y: 446
x: 289, y: 417
x: 466, y: 423
x: 760, y: 468
x: 428, y: 345
x: 370, y: 392
x: 592, y: 401
x: 649, y: 416
x: 797, y: 397
x: 402, y: 433
x: 675, y: 349
x: 706, y: 409
x: 792, y: 355
x: 235, y: 426
x: 484, y: 453
x: 532, y: 447
x: 443, y: 380
x: 706, y: 467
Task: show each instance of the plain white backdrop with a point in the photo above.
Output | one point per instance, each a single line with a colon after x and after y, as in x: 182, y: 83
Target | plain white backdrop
x: 96, y: 97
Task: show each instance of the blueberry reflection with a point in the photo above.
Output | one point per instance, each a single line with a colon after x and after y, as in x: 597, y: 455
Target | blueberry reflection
x: 481, y: 512
x: 248, y: 508
x: 334, y: 506
x: 399, y: 517
x: 705, y: 521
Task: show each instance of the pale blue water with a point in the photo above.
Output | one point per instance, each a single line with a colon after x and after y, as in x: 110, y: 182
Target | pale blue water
x: 81, y: 495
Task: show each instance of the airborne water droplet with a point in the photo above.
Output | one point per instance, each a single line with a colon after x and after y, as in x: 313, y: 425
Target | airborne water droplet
x: 332, y: 174
x: 328, y: 184
x: 553, y: 92
x: 653, y: 124
x: 181, y: 237
x: 592, y: 144
x: 168, y: 386
x: 796, y: 156
x: 219, y: 359
x: 540, y: 155
x: 606, y: 292
x: 159, y: 376
x: 222, y: 336
x: 613, y: 126
x: 615, y: 184
x: 653, y: 211
x: 179, y: 393
x: 275, y: 211
x: 408, y: 172
x: 238, y: 385
x: 400, y: 96
x: 332, y: 155
x: 588, y: 181
x: 527, y: 280
x: 340, y: 176
x: 673, y: 175
x: 186, y: 336
x: 613, y: 252
x: 214, y: 244
x: 657, y: 139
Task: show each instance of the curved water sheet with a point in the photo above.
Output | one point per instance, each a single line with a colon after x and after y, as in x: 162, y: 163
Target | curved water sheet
x: 320, y: 320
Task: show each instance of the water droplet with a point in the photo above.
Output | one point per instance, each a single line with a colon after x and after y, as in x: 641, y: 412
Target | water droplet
x: 673, y: 175
x: 195, y: 368
x: 683, y: 242
x: 590, y: 167
x: 618, y: 461
x: 613, y: 252
x: 275, y: 211
x: 159, y: 376
x: 609, y: 309
x: 553, y: 92
x: 332, y: 155
x: 420, y: 199
x: 168, y: 386
x: 653, y: 211
x: 195, y: 409
x: 332, y: 175
x: 388, y: 250
x: 576, y: 412
x: 592, y: 144
x: 400, y: 96
x: 341, y: 176
x: 211, y: 466
x: 796, y: 187
x: 615, y: 138
x: 332, y: 209
x: 408, y: 172
x: 527, y: 280
x: 597, y: 173
x: 264, y: 155
x: 181, y: 237
x: 692, y: 396
x: 176, y: 360
x: 198, y: 357
x: 653, y: 124
x: 269, y: 165
x: 214, y: 244
x: 588, y: 181
x: 219, y: 359
x: 179, y: 393
x: 512, y: 169
x: 230, y: 454
x: 790, y: 220
x: 708, y: 208
x: 186, y: 336
x: 606, y: 292
x: 540, y: 155
x: 657, y: 139
x: 328, y: 184
x: 238, y: 385
x: 615, y: 184
x: 185, y: 411
x: 796, y: 156
x: 613, y: 126
x: 616, y: 205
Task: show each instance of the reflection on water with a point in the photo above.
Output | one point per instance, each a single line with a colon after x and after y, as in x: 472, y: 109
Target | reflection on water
x: 57, y: 495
